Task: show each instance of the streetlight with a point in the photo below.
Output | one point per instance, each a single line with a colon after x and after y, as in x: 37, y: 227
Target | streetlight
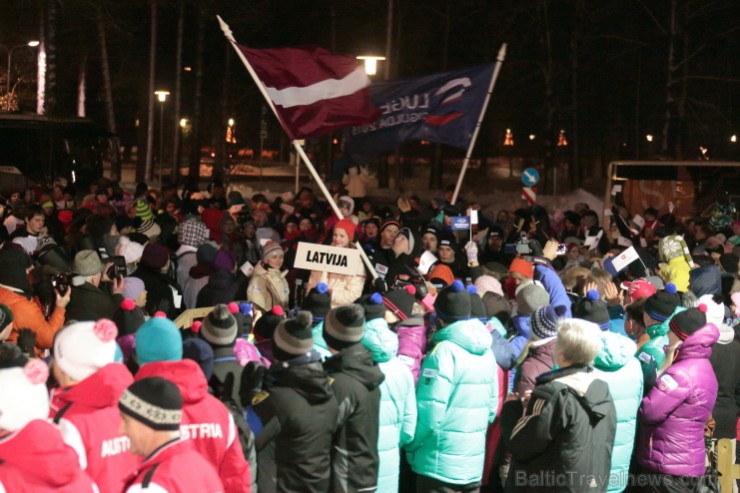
x: 371, y: 63
x: 30, y: 44
x: 161, y: 97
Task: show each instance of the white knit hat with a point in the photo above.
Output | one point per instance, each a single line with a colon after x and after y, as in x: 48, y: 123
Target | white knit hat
x: 23, y: 395
x: 82, y: 348
x: 130, y: 250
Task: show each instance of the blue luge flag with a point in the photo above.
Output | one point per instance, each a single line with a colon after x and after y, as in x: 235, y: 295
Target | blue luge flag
x: 440, y: 108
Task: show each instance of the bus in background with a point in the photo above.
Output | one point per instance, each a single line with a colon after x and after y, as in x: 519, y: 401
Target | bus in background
x: 39, y: 149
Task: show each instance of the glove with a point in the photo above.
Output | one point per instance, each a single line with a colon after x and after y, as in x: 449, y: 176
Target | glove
x: 471, y: 250
x: 253, y: 377
x: 26, y: 341
x: 380, y: 285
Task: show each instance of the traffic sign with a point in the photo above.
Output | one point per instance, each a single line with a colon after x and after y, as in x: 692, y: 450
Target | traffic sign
x: 530, y: 195
x: 530, y: 177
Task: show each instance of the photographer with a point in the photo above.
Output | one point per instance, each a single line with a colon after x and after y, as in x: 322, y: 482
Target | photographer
x: 17, y: 294
x: 90, y: 302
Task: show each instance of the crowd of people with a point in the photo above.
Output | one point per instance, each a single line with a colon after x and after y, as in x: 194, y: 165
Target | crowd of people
x: 163, y: 340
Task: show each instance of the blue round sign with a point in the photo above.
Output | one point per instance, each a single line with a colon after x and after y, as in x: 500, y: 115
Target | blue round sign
x: 530, y: 177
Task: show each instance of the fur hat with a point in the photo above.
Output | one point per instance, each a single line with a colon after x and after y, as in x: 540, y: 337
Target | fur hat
x: 82, y: 348
x: 219, y: 327
x: 344, y: 326
x: 593, y: 310
x: 293, y: 337
x: 453, y: 303
x: 158, y: 339
x: 153, y: 401
x: 530, y: 297
x: 23, y: 394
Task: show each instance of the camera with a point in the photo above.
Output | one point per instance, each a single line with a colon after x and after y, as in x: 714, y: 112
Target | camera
x: 562, y: 249
x: 117, y: 269
x: 60, y: 283
x: 523, y: 246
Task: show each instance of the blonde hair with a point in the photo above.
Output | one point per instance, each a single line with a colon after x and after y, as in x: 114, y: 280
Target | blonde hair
x: 579, y: 341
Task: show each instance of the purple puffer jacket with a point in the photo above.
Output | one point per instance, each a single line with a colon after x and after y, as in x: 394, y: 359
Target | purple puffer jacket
x: 673, y: 414
x: 412, y: 343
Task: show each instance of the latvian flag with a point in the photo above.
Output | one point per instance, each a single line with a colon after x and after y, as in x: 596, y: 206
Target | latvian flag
x: 314, y: 91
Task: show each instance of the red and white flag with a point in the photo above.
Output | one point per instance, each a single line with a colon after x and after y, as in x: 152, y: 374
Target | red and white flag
x: 313, y: 91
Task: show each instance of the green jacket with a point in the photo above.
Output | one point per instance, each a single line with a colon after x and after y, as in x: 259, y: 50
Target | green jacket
x: 456, y: 398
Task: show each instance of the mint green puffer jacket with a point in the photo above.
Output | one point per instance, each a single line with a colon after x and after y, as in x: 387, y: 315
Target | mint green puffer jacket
x: 456, y: 397
x: 397, y: 401
x: 617, y: 366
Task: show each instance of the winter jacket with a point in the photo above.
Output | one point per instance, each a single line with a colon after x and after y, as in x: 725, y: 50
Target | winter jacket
x: 27, y: 314
x: 227, y: 374
x: 456, y: 399
x: 160, y: 291
x: 35, y: 459
x: 652, y: 352
x: 355, y: 181
x: 618, y: 367
x: 677, y: 271
x: 705, y: 280
x: 554, y: 286
x: 725, y: 360
x: 299, y: 415
x: 319, y: 344
x: 89, y: 302
x: 569, y: 426
x: 357, y: 380
x: 205, y: 421
x: 345, y: 289
x: 268, y: 288
x: 397, y: 401
x: 88, y: 417
x: 673, y: 414
x: 186, y: 259
x: 412, y: 343
x: 221, y: 288
x: 539, y: 360
x: 175, y: 467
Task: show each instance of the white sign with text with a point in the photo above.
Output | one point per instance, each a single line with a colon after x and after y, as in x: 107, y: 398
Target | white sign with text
x: 336, y: 260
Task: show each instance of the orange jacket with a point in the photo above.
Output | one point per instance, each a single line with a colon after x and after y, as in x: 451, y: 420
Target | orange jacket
x: 28, y: 315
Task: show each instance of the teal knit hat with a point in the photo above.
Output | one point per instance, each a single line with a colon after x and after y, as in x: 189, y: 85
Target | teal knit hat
x: 158, y: 339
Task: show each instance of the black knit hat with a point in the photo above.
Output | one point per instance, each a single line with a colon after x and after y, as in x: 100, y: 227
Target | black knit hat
x: 128, y: 318
x: 662, y: 304
x: 344, y: 326
x: 453, y: 303
x: 219, y: 327
x: 400, y: 301
x: 318, y: 302
x: 154, y: 401
x: 593, y: 309
x: 293, y: 337
x: 242, y: 312
x: 201, y: 352
x: 477, y: 308
x: 689, y: 321
x: 373, y: 305
x: 267, y: 323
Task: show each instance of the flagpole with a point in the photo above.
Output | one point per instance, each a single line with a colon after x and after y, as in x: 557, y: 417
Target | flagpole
x: 499, y: 60
x: 299, y: 149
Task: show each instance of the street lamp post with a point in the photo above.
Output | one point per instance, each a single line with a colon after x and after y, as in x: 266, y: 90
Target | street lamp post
x: 30, y: 44
x: 161, y: 97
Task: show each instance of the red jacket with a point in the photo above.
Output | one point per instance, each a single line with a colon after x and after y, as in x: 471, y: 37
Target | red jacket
x: 35, y: 459
x: 179, y: 469
x: 87, y: 415
x: 206, y: 421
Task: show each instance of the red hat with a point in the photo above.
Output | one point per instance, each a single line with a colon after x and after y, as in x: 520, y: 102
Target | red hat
x: 348, y: 227
x: 522, y: 267
x: 639, y: 288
